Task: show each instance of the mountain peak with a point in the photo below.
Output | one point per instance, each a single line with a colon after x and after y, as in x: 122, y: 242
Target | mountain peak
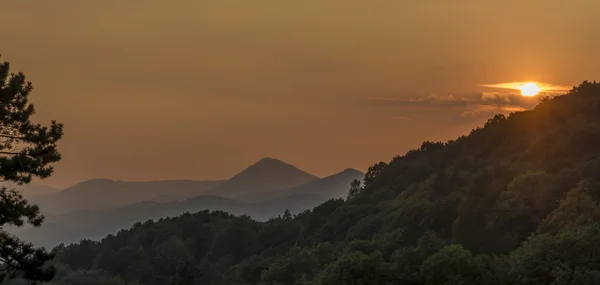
x: 265, y: 175
x: 351, y: 171
x: 269, y: 160
x: 333, y: 186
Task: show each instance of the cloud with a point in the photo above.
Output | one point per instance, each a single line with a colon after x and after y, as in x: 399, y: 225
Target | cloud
x: 508, y: 99
x: 489, y: 110
x: 429, y: 100
x: 491, y: 103
x: 495, y: 97
x: 463, y: 106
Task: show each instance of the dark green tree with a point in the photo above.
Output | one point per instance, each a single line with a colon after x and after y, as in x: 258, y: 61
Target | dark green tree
x: 26, y: 150
x: 576, y: 209
x: 186, y: 274
x: 452, y: 265
x: 354, y: 189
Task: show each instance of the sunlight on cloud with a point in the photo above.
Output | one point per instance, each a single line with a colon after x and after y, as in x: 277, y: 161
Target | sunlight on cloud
x: 545, y: 88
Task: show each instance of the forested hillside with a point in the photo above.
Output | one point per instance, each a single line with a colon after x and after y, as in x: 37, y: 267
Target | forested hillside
x: 513, y: 202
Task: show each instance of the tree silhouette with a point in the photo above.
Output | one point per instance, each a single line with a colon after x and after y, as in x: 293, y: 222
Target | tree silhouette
x: 26, y: 150
x: 354, y: 189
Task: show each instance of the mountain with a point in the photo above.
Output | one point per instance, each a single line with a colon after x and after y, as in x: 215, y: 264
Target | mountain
x: 30, y: 191
x: 75, y: 226
x: 334, y: 186
x: 95, y: 223
x: 34, y: 191
x: 266, y: 175
x: 512, y: 202
x: 98, y: 194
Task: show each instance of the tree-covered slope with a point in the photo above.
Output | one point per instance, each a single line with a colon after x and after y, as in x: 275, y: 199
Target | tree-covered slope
x: 513, y: 202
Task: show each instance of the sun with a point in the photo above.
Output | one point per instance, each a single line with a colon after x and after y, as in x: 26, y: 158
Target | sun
x: 530, y: 89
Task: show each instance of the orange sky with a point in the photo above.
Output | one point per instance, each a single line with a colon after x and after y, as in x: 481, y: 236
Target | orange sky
x: 151, y: 89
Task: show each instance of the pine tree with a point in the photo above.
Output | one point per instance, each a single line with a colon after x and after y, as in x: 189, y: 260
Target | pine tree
x: 26, y: 150
x: 354, y: 189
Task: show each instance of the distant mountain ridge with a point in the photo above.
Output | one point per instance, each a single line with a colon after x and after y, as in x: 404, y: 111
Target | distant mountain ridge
x: 98, y: 194
x: 31, y: 190
x: 261, y: 179
x: 267, y: 179
x: 97, y: 207
x: 266, y: 175
x: 333, y: 186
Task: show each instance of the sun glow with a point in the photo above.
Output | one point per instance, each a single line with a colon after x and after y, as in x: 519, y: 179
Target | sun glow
x: 530, y: 89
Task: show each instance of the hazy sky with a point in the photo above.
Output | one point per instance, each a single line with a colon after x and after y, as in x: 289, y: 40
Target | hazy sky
x: 199, y: 89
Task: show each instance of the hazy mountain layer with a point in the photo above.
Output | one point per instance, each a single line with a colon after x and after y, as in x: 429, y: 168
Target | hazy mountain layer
x: 103, y: 193
x: 73, y: 227
x: 93, y: 217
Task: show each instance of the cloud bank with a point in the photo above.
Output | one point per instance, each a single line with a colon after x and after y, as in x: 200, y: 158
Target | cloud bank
x: 461, y: 106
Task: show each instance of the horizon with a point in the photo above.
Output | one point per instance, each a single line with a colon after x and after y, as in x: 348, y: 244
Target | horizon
x: 40, y: 182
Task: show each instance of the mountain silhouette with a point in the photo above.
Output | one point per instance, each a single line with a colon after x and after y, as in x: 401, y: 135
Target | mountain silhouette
x: 333, y: 186
x: 266, y: 175
x: 32, y: 191
x: 98, y: 194
x: 97, y: 207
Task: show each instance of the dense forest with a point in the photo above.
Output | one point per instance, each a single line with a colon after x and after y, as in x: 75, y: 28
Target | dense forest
x: 513, y: 202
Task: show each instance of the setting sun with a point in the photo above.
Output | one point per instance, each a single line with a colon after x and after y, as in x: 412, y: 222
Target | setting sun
x: 530, y: 89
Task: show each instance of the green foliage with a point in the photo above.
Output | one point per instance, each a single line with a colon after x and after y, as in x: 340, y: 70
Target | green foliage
x: 451, y: 265
x: 408, y: 260
x: 569, y: 257
x: 26, y: 150
x: 576, y: 209
x: 499, y: 206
